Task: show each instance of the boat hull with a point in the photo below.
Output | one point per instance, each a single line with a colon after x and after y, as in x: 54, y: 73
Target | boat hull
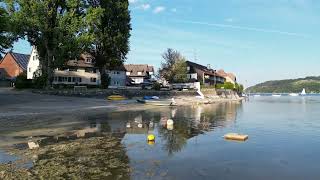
x: 157, y: 102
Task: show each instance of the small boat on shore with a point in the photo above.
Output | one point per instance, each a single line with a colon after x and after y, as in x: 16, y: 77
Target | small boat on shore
x: 116, y: 98
x: 158, y: 102
x: 150, y: 97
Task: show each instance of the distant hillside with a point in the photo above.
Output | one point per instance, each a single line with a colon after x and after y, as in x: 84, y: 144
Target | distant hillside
x: 311, y: 84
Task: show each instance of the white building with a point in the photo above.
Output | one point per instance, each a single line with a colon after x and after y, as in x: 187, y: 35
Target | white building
x: 79, y: 72
x: 33, y: 64
x: 139, y: 73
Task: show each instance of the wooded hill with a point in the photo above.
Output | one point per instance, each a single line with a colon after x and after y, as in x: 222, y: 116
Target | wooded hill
x: 311, y: 84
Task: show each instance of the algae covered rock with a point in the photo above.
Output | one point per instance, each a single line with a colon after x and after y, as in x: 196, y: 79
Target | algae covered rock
x: 88, y: 158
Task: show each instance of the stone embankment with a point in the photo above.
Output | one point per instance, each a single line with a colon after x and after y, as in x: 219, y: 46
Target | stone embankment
x: 182, y: 97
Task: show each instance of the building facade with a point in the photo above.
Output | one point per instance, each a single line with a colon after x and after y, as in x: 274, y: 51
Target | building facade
x: 230, y: 77
x: 13, y: 64
x: 81, y: 71
x: 33, y: 64
x: 204, y: 75
x: 139, y: 73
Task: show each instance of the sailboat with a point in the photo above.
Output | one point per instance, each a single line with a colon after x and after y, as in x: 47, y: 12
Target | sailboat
x: 303, y: 93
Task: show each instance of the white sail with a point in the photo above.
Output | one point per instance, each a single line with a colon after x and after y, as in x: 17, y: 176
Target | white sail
x: 303, y: 92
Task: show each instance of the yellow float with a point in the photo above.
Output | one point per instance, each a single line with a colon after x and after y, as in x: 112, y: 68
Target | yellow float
x: 236, y: 137
x: 151, y: 138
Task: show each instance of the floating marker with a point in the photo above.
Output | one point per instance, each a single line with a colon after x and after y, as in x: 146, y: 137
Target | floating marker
x: 151, y: 137
x: 236, y: 137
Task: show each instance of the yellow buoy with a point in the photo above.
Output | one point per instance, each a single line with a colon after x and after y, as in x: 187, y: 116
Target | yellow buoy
x: 151, y: 137
x: 151, y: 143
x: 236, y: 137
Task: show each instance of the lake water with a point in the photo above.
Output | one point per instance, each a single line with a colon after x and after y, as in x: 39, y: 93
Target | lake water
x: 284, y: 139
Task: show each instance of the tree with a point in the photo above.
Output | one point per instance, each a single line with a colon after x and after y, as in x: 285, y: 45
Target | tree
x: 6, y: 36
x: 174, y: 68
x: 108, y: 33
x: 52, y: 26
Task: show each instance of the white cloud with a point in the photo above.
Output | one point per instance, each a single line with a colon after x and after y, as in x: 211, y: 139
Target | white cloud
x: 246, y: 28
x: 159, y: 9
x: 145, y: 6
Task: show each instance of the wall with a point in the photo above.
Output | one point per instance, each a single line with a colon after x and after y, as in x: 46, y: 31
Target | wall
x: 80, y: 73
x: 33, y: 64
x: 11, y: 68
x: 103, y: 93
x: 118, y: 78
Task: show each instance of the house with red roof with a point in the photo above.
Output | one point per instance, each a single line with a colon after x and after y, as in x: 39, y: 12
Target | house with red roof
x: 13, y: 64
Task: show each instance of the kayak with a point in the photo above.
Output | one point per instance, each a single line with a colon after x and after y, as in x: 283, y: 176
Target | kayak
x: 150, y: 97
x: 116, y: 98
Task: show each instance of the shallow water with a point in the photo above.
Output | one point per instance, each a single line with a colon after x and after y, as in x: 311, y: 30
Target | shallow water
x: 284, y: 139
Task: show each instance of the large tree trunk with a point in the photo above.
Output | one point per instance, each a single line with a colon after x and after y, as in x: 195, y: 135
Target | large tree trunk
x: 50, y: 69
x: 104, y: 77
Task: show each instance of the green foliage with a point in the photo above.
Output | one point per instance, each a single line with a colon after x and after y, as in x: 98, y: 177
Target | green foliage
x: 52, y: 26
x: 108, y: 32
x: 311, y: 84
x: 226, y: 85
x: 39, y: 82
x: 22, y: 82
x: 156, y: 86
x: 174, y: 68
x: 6, y: 36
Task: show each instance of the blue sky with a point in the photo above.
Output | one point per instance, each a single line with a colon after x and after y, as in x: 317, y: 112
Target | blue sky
x: 258, y: 40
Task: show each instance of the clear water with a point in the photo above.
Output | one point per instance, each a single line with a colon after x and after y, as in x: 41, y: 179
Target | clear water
x: 284, y: 139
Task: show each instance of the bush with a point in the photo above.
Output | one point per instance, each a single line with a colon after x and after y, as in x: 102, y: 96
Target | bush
x: 39, y: 82
x: 156, y: 86
x: 22, y: 82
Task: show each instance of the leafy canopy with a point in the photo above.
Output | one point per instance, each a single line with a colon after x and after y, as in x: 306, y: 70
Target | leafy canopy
x: 174, y: 67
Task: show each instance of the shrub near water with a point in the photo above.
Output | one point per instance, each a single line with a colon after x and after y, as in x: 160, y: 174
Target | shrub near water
x: 22, y: 82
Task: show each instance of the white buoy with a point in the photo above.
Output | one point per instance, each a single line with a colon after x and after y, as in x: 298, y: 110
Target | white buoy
x: 170, y: 122
x: 139, y: 125
x: 128, y: 125
x: 170, y: 127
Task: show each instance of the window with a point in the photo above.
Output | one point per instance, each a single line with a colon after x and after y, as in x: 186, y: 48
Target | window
x: 29, y: 69
x: 88, y: 60
x: 188, y: 68
x: 139, y: 73
x: 69, y: 79
x: 80, y: 80
x: 73, y: 79
x: 34, y: 58
x: 93, y: 79
x: 118, y: 72
x: 60, y: 79
x: 128, y: 73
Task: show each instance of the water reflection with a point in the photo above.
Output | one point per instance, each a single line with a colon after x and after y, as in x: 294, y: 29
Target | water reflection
x: 93, y: 148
